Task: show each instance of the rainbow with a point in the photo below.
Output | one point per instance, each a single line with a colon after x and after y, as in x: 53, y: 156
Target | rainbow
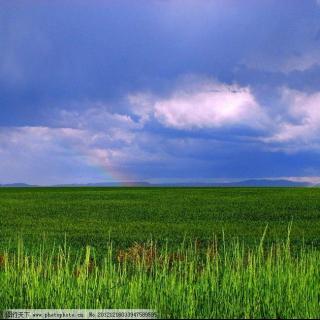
x: 98, y: 159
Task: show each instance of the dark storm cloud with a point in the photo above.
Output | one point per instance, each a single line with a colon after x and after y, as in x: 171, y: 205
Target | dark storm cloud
x: 75, y: 64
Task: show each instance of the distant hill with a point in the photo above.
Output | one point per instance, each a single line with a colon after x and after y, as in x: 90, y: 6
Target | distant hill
x: 244, y: 183
x: 269, y: 183
x: 16, y: 185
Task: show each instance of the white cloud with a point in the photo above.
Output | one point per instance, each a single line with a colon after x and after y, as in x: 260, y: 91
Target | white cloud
x: 103, y: 125
x: 141, y: 104
x: 290, y: 125
x: 98, y: 117
x: 55, y: 155
x: 301, y: 123
x: 51, y: 155
x: 39, y: 154
x: 122, y: 142
x: 206, y: 105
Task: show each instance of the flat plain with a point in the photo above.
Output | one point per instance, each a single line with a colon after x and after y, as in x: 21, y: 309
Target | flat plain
x: 90, y: 216
x: 184, y: 252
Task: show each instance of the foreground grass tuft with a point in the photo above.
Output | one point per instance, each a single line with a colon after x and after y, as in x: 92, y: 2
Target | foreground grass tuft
x: 219, y: 281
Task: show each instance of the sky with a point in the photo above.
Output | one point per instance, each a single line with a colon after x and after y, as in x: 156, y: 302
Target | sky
x: 159, y: 90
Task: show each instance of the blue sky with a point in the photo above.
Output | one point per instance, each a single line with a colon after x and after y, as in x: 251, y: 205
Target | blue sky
x: 161, y: 90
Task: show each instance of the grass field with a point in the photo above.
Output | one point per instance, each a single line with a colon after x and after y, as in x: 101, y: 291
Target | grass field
x: 186, y: 252
x: 218, y: 281
x: 87, y: 216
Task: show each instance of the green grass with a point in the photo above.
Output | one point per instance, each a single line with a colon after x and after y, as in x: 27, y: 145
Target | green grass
x: 89, y: 215
x: 216, y: 281
x: 153, y: 248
